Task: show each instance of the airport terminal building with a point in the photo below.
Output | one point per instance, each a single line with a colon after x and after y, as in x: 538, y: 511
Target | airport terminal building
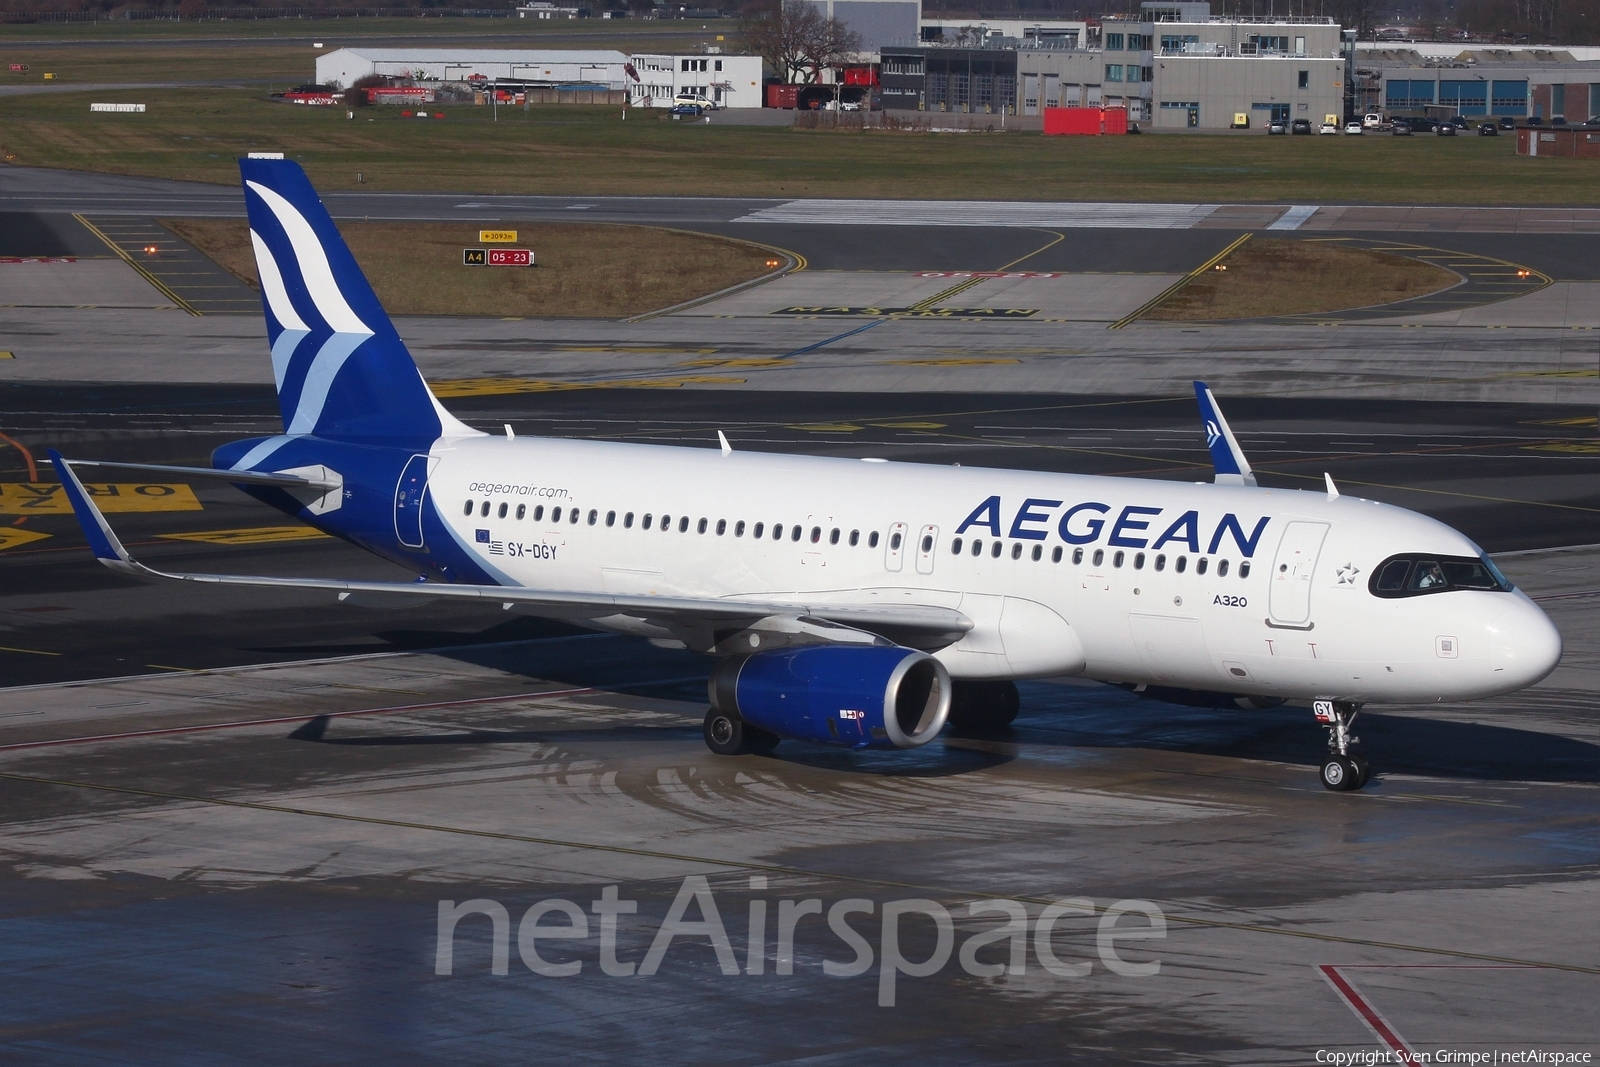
x: 1175, y: 67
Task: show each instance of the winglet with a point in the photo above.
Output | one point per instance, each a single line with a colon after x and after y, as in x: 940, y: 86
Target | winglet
x: 1226, y: 456
x: 722, y: 440
x: 102, y: 539
x: 1333, y: 490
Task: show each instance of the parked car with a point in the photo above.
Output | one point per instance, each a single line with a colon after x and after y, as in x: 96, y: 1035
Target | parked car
x: 1488, y: 129
x: 1401, y: 128
x: 1559, y: 120
x: 682, y: 111
x: 693, y: 100
x: 1329, y: 127
x: 1535, y: 120
x: 1458, y: 121
x: 1300, y: 126
x: 1354, y: 126
x: 1508, y: 123
x: 1445, y: 129
x: 1277, y: 126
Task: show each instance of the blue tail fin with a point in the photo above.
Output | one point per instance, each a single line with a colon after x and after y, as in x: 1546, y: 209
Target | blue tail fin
x: 340, y: 368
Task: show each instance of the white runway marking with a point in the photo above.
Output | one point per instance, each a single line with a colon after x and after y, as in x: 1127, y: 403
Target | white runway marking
x: 1291, y: 219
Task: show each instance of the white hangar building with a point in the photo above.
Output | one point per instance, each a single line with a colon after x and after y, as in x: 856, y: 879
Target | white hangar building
x: 726, y: 80
x: 344, y: 66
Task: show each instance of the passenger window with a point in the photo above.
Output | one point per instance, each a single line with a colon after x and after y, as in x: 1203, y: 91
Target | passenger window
x: 1138, y: 561
x: 927, y: 542
x: 722, y: 527
x: 484, y: 510
x: 1077, y: 555
x: 468, y: 509
x: 872, y: 539
x: 611, y: 518
x: 700, y: 527
x: 522, y: 510
x: 758, y: 529
x: 894, y: 542
x: 683, y: 524
x: 738, y: 528
x: 1055, y: 554
x: 994, y: 549
x: 1016, y: 550
x: 1161, y: 561
x: 977, y: 547
x: 1244, y: 569
x: 1099, y: 556
x: 1222, y: 568
x: 594, y: 516
x: 627, y: 521
x: 777, y: 531
x: 500, y: 512
x: 794, y: 534
x: 1181, y: 564
x: 955, y: 547
x: 572, y: 516
x: 538, y: 513
x: 1116, y: 560
x: 833, y: 538
x: 1038, y: 551
x: 855, y: 538
x: 1200, y: 565
x: 816, y: 534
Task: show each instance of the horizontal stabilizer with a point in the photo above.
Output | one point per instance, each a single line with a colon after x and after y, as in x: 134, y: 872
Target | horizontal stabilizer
x: 283, y: 480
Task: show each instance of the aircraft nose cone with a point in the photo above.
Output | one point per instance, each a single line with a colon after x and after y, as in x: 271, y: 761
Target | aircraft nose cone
x: 1526, y: 645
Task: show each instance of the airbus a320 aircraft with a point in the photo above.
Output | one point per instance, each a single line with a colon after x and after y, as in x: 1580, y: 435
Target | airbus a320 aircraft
x: 850, y: 602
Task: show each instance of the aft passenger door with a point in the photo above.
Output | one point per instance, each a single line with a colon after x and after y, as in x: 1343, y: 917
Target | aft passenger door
x: 1289, y: 600
x: 409, y: 492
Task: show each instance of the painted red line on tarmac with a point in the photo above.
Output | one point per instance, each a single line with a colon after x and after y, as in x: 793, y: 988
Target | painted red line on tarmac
x: 1367, y: 1013
x: 280, y: 720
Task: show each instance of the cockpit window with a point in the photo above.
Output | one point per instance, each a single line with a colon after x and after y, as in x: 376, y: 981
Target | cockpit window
x: 1416, y: 574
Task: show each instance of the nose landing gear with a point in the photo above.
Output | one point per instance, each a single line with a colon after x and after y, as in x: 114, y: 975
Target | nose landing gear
x: 1341, y: 771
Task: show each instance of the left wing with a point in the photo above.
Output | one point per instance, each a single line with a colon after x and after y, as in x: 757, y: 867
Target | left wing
x: 917, y: 625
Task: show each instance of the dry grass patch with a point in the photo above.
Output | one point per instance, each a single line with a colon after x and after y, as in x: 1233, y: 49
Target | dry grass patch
x: 1278, y: 276
x: 584, y: 270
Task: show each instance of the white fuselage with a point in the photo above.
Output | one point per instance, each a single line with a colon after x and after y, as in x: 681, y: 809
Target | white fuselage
x: 1228, y: 589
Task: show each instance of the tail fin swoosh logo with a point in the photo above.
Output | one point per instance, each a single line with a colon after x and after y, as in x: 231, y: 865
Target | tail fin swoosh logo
x: 1213, y: 435
x: 341, y: 331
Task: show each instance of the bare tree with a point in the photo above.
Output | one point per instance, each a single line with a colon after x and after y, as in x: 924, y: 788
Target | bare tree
x: 795, y: 39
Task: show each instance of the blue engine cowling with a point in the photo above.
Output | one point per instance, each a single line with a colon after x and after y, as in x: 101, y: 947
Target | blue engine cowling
x: 859, y: 696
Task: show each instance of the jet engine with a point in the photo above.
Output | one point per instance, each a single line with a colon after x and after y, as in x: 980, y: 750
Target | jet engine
x: 857, y: 696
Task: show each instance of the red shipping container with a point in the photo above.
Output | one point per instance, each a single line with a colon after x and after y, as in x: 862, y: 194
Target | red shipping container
x: 784, y: 96
x: 1085, y: 120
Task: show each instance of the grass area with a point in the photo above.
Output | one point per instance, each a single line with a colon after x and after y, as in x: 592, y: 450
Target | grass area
x: 1275, y: 276
x: 198, y: 134
x: 278, y: 53
x: 584, y: 270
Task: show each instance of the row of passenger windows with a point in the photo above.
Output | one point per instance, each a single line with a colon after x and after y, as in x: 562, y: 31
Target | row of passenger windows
x: 649, y: 520
x: 1156, y: 561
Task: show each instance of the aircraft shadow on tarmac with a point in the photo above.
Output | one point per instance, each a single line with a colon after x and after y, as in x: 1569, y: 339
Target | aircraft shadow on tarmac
x: 1054, y: 716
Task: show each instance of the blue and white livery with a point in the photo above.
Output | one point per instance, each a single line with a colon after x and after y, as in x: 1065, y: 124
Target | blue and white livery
x: 850, y: 602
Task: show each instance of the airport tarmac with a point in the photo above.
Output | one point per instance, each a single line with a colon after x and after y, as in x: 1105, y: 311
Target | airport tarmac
x: 265, y: 827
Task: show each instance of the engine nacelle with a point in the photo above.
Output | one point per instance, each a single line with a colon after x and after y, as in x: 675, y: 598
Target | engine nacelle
x: 859, y: 696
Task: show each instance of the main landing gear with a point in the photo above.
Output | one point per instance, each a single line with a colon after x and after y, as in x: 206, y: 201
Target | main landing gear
x: 728, y: 735
x: 1341, y: 771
